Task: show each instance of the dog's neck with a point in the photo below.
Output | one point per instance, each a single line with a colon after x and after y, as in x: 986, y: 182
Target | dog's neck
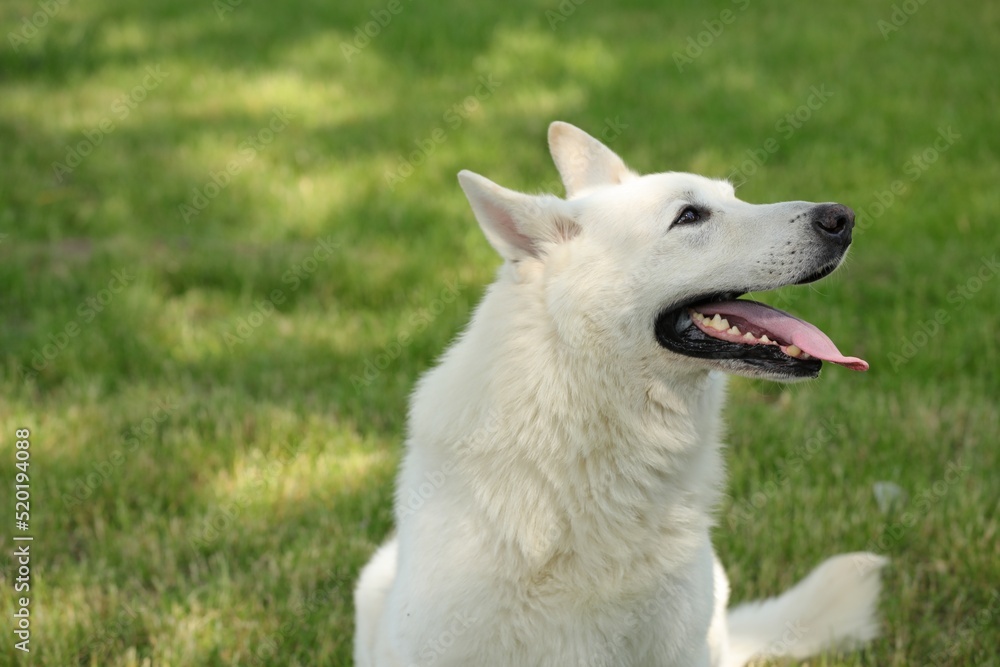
x: 556, y: 446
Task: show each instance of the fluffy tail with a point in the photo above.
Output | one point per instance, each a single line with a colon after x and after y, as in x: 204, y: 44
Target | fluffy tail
x: 369, y: 600
x: 832, y: 608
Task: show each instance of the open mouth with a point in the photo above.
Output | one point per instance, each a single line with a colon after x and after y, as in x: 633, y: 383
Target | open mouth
x: 752, y: 336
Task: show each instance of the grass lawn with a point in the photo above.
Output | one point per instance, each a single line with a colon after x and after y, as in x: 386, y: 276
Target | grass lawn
x: 231, y: 238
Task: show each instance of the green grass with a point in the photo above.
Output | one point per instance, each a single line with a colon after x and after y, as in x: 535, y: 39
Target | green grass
x: 206, y: 477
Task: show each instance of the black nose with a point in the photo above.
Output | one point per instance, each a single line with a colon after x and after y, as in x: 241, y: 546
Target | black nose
x: 834, y: 220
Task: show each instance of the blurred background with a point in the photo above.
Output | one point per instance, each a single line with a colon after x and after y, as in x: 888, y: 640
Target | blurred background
x: 231, y: 238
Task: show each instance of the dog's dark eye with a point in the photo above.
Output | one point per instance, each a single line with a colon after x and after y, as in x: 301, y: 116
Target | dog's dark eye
x: 689, y: 215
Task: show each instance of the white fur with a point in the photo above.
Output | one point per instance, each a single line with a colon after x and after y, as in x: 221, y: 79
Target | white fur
x: 562, y: 469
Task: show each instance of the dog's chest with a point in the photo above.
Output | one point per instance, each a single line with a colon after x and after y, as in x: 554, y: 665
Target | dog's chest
x: 635, y: 618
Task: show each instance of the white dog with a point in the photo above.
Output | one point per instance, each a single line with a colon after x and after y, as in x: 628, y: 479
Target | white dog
x: 564, y: 459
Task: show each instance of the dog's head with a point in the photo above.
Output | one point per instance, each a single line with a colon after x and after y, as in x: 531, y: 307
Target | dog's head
x: 651, y: 267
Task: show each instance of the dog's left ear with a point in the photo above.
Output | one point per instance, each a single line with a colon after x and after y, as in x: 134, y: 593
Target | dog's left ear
x: 517, y: 225
x: 583, y: 161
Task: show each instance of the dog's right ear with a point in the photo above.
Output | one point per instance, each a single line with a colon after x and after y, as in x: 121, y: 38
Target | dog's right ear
x: 583, y: 161
x: 517, y: 225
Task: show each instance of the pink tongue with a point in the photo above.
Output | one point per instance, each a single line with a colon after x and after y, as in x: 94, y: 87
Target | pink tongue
x: 787, y: 328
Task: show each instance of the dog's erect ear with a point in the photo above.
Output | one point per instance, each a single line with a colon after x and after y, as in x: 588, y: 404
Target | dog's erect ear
x: 516, y: 224
x: 583, y: 161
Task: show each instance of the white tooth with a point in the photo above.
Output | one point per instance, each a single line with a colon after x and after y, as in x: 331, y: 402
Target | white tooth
x: 765, y: 339
x: 716, y: 318
x: 735, y: 330
x: 793, y: 351
x: 720, y: 325
x: 805, y: 355
x: 749, y: 336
